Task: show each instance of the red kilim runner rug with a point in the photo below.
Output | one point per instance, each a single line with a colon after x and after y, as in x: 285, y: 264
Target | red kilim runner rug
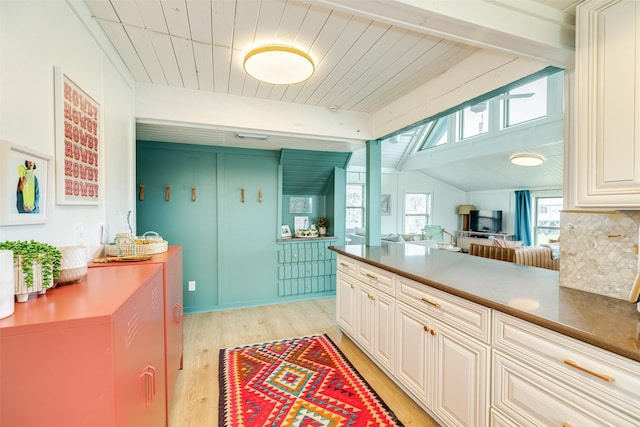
x: 302, y: 382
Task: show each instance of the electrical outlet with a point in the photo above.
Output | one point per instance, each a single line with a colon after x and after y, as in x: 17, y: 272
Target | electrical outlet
x: 80, y: 234
x: 192, y: 285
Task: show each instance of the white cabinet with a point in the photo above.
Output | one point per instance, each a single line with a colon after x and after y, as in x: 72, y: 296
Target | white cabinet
x: 374, y: 325
x: 543, y: 378
x: 538, y: 398
x: 435, y: 344
x: 345, y: 301
x: 608, y: 104
x: 461, y: 377
x: 365, y: 311
x: 445, y: 369
x: 414, y: 354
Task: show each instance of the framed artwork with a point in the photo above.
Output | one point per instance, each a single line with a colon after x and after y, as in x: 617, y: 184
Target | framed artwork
x: 385, y: 203
x: 24, y: 179
x: 300, y: 222
x: 78, y: 120
x: 285, y: 232
x: 299, y: 204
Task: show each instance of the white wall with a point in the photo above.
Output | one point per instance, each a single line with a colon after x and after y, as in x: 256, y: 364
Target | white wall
x: 445, y: 199
x: 35, y: 36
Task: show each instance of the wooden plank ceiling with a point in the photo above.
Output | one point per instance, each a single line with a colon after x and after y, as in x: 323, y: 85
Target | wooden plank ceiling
x: 363, y: 63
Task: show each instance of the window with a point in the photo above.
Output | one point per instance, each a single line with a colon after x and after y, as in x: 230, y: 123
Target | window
x: 355, y: 206
x: 417, y: 207
x: 547, y: 219
x: 436, y: 133
x: 504, y: 107
x: 474, y: 120
x: 525, y: 103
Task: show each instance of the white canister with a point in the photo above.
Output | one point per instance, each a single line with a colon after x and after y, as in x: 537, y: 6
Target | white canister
x: 7, y: 287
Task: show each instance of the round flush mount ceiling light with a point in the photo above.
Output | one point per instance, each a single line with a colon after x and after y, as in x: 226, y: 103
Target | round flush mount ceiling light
x: 278, y: 65
x: 527, y: 159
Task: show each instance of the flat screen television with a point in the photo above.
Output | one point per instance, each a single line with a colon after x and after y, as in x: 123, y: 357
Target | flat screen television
x: 485, y: 221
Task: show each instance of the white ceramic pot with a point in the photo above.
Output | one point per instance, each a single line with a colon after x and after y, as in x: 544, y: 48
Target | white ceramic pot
x: 73, y: 265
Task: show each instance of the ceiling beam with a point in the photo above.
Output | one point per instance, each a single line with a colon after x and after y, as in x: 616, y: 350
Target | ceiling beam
x: 524, y: 28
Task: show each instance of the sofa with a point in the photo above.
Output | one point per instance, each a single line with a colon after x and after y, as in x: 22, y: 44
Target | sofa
x: 535, y: 256
x: 358, y: 237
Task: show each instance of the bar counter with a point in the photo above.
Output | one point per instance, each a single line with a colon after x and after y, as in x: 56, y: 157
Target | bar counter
x: 529, y: 293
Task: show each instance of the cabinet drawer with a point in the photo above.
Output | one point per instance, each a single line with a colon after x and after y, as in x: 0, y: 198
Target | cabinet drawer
x: 597, y: 372
x: 535, y: 398
x: 347, y: 265
x: 378, y: 278
x: 464, y: 315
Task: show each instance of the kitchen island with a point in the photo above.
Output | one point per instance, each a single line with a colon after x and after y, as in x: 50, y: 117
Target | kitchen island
x: 484, y: 342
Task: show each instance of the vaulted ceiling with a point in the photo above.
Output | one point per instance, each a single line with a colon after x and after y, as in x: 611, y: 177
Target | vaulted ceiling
x: 368, y: 54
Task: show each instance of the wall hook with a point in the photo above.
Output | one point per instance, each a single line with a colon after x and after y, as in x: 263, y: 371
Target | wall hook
x: 242, y: 195
x: 193, y: 194
x: 141, y: 197
x: 167, y: 193
x: 260, y: 195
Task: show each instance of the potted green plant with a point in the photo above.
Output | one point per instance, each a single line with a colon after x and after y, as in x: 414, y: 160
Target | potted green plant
x: 36, y: 265
x: 322, y: 223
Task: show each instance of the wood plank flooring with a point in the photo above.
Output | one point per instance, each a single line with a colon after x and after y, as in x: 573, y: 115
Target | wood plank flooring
x: 195, y: 400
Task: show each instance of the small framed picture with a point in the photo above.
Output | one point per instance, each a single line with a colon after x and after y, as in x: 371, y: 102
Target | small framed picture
x: 300, y: 223
x: 285, y: 232
x: 24, y: 179
x: 300, y: 204
x: 385, y: 204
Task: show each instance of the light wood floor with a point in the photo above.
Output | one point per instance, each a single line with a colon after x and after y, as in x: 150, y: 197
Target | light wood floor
x: 195, y: 400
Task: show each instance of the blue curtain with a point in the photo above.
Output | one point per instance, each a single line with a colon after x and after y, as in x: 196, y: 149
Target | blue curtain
x: 523, y: 217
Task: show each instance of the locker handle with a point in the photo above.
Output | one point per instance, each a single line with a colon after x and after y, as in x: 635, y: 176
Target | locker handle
x: 177, y: 313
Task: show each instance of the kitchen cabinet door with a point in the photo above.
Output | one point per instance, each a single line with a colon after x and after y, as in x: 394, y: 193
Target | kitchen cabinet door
x: 608, y: 104
x: 414, y: 350
x: 461, y: 374
x: 374, y: 324
x: 345, y: 302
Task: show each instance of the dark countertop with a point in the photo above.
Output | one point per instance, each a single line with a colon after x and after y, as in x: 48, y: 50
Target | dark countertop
x: 529, y: 293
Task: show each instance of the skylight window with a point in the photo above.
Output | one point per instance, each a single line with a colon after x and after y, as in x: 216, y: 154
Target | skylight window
x: 437, y: 133
x: 525, y: 103
x: 474, y: 120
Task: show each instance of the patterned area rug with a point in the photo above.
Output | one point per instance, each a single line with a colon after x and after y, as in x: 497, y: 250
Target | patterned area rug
x: 302, y: 382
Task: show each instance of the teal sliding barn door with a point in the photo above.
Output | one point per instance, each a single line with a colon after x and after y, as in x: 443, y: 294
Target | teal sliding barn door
x: 181, y: 220
x: 248, y: 249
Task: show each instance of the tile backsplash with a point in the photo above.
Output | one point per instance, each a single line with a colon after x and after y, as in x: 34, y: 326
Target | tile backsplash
x: 597, y: 251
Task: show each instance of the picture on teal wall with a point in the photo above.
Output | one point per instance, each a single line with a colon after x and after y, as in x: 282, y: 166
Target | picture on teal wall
x: 300, y: 204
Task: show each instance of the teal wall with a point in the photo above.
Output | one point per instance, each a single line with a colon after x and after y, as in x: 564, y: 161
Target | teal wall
x: 229, y: 246
x: 318, y: 209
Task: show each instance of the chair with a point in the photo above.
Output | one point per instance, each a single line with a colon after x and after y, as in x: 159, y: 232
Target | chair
x: 436, y: 233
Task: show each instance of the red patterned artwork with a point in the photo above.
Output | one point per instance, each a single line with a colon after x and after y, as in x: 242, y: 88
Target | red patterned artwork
x: 78, y: 144
x: 299, y: 382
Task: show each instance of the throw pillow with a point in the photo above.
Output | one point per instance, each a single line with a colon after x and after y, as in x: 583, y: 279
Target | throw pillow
x: 359, y: 231
x: 507, y: 243
x: 392, y: 238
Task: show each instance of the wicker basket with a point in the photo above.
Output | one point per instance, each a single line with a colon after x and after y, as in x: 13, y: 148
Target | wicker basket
x: 148, y: 244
